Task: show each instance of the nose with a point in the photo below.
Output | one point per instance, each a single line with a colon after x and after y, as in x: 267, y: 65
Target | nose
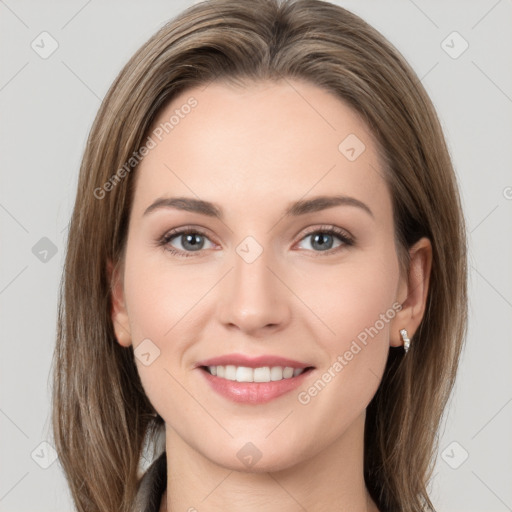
x: 253, y: 297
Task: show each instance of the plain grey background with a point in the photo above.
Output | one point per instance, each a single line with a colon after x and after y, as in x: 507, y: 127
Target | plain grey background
x: 47, y: 106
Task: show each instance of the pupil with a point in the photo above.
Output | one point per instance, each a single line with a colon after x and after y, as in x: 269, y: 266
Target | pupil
x: 320, y: 239
x: 192, y: 240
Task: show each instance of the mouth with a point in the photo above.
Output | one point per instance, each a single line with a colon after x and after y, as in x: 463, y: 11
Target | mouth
x: 253, y: 380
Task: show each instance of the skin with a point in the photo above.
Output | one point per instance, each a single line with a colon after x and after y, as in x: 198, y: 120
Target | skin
x: 253, y: 150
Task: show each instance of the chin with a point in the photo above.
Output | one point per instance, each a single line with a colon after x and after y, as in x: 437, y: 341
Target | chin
x: 266, y: 464
x: 255, y: 456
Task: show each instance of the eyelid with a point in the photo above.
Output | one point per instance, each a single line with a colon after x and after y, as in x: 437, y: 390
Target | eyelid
x: 329, y: 227
x: 184, y: 229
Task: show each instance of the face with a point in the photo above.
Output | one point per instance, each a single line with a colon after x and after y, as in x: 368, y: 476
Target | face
x: 260, y: 278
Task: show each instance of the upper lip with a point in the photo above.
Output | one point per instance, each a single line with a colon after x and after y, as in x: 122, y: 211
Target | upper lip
x: 251, y: 362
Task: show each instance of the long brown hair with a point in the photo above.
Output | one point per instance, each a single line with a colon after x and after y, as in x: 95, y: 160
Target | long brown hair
x: 101, y: 415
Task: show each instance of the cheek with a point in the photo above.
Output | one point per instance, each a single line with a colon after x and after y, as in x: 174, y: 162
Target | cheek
x: 162, y: 303
x: 161, y: 295
x: 355, y: 303
x: 351, y: 297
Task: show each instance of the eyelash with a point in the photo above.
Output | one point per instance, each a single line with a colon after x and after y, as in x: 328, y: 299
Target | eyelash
x: 330, y: 230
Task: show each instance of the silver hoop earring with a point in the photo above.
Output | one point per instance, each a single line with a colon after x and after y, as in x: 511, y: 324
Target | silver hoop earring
x: 407, y: 341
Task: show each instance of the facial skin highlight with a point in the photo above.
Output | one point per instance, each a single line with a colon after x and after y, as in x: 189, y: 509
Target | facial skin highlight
x: 253, y: 151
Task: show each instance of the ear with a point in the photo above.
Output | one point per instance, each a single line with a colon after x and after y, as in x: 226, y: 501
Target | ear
x: 118, y: 310
x: 413, y: 292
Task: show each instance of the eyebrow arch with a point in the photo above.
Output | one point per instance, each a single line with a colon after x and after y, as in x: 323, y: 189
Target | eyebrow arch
x: 295, y: 209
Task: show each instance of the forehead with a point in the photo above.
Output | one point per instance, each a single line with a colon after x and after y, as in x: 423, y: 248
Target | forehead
x: 264, y: 143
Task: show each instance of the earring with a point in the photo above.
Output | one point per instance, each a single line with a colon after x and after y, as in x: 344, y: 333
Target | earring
x: 407, y: 341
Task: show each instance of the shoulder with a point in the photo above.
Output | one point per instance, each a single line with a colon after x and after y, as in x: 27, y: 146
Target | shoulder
x: 151, y: 486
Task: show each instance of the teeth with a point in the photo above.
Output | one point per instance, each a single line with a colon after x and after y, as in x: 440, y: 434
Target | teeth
x: 230, y: 372
x: 244, y: 374
x: 263, y: 374
x: 287, y: 372
x: 276, y: 373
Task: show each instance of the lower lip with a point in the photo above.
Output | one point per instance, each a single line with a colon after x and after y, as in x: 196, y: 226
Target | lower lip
x: 253, y: 392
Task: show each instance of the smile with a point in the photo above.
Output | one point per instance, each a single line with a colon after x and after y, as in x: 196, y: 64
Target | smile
x: 253, y: 386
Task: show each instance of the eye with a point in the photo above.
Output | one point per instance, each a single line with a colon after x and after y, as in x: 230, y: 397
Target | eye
x: 188, y: 241
x: 323, y: 238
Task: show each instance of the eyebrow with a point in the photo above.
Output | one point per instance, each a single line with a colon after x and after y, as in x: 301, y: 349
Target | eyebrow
x: 295, y: 209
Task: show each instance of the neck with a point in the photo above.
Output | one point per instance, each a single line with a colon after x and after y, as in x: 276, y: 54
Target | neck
x: 331, y: 480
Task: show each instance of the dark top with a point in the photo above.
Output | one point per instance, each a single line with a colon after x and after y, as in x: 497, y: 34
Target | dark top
x: 152, y: 486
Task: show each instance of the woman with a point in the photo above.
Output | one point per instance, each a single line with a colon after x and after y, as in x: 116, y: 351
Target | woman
x: 266, y: 268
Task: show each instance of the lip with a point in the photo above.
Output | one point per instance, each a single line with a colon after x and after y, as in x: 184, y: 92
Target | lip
x: 251, y: 362
x: 253, y: 393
